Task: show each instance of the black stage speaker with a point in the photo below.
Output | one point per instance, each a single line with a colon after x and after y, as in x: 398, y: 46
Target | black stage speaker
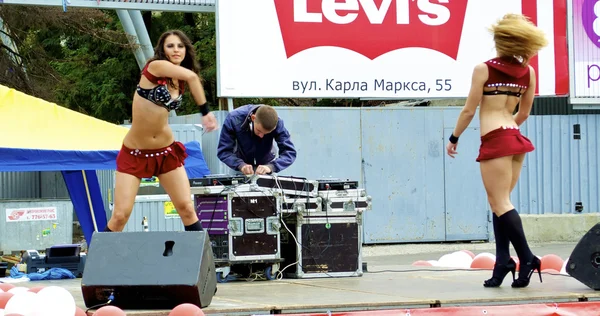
x: 584, y: 262
x: 149, y: 270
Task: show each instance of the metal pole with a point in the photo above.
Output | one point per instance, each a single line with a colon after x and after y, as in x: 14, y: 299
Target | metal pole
x: 142, y: 32
x: 4, y: 38
x: 132, y: 36
x: 230, y: 104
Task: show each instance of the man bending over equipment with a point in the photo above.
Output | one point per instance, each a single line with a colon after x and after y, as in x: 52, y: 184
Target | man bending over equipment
x: 246, y: 141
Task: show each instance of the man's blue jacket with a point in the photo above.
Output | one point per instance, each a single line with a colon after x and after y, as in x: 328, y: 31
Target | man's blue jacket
x: 238, y: 145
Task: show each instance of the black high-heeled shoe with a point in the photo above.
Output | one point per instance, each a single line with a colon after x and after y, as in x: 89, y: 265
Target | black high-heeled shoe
x: 500, y: 272
x: 526, y: 271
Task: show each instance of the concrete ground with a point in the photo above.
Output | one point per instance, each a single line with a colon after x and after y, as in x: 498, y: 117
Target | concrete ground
x: 391, y: 283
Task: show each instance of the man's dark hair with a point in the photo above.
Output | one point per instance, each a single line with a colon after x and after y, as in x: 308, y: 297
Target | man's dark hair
x: 267, y: 117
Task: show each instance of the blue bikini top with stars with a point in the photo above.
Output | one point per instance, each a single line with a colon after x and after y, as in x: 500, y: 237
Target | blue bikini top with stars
x: 160, y: 94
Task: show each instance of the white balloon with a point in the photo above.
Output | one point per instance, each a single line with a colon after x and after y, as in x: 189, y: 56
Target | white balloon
x: 21, y: 303
x: 462, y: 259
x: 18, y: 289
x: 1, y: 312
x: 458, y: 259
x: 434, y: 263
x: 563, y: 270
x: 54, y: 301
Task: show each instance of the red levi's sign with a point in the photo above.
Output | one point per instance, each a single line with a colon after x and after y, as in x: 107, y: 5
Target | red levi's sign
x: 371, y: 27
x: 400, y: 49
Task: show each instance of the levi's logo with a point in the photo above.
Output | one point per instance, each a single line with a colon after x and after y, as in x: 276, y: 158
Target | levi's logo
x: 371, y: 27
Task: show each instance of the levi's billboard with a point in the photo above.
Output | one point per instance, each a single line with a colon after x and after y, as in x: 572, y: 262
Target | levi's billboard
x: 373, y: 48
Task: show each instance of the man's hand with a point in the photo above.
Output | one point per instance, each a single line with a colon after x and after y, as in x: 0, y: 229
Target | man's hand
x: 209, y: 122
x: 247, y: 169
x: 263, y: 170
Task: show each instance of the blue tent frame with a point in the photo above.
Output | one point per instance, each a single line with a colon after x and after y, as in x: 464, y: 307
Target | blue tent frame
x: 79, y: 172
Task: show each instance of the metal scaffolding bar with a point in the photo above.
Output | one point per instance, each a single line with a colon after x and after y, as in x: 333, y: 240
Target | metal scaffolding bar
x: 143, y: 5
x: 142, y: 33
x: 132, y: 36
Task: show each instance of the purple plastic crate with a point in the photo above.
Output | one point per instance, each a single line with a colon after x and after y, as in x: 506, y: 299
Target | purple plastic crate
x: 205, y: 207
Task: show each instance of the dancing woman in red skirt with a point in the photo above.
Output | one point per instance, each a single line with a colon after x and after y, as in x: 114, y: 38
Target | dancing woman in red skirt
x: 498, y: 86
x: 149, y: 148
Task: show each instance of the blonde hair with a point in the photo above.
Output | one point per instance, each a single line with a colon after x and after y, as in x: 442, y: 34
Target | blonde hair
x: 515, y: 36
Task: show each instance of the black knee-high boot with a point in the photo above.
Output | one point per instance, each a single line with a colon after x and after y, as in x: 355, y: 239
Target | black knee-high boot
x: 502, y: 242
x: 513, y: 227
x: 504, y: 263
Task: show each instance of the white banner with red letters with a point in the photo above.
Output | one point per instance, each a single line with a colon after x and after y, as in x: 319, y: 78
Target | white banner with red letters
x: 31, y: 214
x: 373, y: 48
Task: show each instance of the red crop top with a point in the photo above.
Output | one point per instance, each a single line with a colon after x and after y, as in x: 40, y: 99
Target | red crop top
x: 161, y: 80
x: 160, y: 95
x: 506, y: 72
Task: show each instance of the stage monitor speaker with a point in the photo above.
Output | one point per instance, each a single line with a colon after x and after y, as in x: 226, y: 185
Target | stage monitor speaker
x: 149, y: 270
x: 584, y: 261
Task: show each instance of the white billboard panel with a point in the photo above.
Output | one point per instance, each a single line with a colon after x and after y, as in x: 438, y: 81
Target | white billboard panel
x: 372, y: 48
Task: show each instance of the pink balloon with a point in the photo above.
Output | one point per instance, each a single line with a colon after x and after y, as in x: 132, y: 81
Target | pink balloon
x: 80, y: 312
x: 36, y: 289
x: 186, y: 309
x: 6, y: 286
x: 109, y: 310
x: 4, y: 297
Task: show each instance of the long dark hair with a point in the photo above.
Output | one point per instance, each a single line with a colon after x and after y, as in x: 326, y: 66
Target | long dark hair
x: 189, y: 61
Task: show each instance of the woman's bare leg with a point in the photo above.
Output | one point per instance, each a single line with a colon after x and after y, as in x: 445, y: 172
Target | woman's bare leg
x: 126, y: 189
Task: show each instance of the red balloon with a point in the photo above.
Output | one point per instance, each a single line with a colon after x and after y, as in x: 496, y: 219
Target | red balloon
x: 483, y: 262
x: 186, y: 309
x: 36, y: 289
x: 4, y: 297
x: 6, y: 286
x: 421, y: 263
x: 551, y: 261
x: 109, y: 310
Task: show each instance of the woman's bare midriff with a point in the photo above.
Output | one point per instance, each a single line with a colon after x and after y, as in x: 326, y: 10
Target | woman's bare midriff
x: 150, y: 126
x: 496, y: 111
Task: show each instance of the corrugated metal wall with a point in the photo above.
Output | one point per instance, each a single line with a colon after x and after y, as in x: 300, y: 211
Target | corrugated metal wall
x: 153, y: 208
x: 19, y: 185
x: 209, y: 140
x: 418, y: 192
x: 563, y: 170
x: 398, y: 155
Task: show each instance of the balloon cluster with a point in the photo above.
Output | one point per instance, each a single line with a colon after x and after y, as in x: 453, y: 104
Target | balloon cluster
x: 464, y: 259
x: 57, y: 301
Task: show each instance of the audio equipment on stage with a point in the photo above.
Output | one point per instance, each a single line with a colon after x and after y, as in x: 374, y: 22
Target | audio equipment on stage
x: 60, y: 256
x: 149, y: 270
x: 217, y: 180
x: 293, y: 186
x: 584, y: 262
x: 337, y: 184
